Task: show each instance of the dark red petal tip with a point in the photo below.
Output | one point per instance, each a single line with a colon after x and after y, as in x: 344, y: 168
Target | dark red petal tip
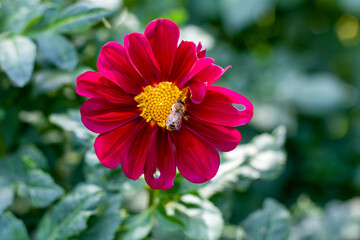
x: 142, y: 56
x: 114, y: 63
x: 135, y: 150
x: 196, y: 159
x: 161, y: 161
x: 200, y: 53
x: 223, y: 138
x: 109, y: 146
x: 163, y: 36
x: 217, y: 108
x: 184, y: 60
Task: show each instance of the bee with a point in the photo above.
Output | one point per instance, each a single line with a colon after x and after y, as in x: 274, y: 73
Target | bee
x: 174, y: 120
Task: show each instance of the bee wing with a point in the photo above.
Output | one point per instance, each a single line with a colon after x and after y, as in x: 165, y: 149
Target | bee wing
x: 178, y: 123
x: 169, y: 121
x: 171, y: 118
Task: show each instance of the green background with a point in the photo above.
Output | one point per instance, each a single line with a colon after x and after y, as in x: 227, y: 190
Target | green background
x: 297, y: 61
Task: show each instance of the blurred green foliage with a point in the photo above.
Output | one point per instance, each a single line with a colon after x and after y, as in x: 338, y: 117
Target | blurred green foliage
x: 297, y: 61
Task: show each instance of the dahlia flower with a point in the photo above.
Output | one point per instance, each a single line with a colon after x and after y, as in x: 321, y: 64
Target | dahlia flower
x: 155, y: 106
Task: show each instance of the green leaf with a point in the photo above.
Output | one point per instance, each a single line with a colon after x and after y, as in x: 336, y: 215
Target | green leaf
x: 104, y: 226
x: 166, y: 221
x: 95, y: 172
x: 109, y: 4
x: 58, y: 50
x: 12, y: 228
x: 6, y: 194
x: 69, y: 217
x: 21, y: 171
x: 12, y: 168
x: 273, y: 222
x: 17, y: 57
x: 42, y: 189
x: 262, y: 158
x: 114, y: 180
x: 270, y: 158
x: 76, y: 18
x: 119, y: 182
x: 134, y: 197
x: 31, y: 151
x: 49, y: 81
x: 159, y: 233
x: 338, y: 220
x: 138, y: 226
x: 10, y: 128
x: 202, y: 219
x: 133, y: 194
x: 21, y: 14
x: 71, y: 122
x: 10, y: 8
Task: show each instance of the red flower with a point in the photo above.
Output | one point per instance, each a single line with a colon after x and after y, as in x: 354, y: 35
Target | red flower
x: 133, y: 95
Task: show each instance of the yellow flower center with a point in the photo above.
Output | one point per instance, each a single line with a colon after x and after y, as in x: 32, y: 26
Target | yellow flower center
x: 156, y: 101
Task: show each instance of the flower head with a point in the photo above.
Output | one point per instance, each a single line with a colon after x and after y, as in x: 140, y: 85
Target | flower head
x: 156, y: 108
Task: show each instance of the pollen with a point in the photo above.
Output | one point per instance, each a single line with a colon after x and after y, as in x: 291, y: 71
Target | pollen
x: 155, y: 102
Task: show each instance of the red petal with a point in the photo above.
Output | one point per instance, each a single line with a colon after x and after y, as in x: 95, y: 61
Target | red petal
x: 100, y: 116
x: 223, y: 138
x: 108, y: 146
x: 213, y: 74
x: 217, y: 107
x: 210, y: 74
x: 114, y: 63
x: 198, y: 91
x: 184, y: 60
x: 163, y: 36
x: 198, y: 47
x: 196, y: 159
x: 93, y: 84
x: 206, y: 76
x: 197, y: 67
x: 200, y: 53
x: 136, y: 150
x: 161, y: 157
x: 199, y: 82
x: 142, y: 56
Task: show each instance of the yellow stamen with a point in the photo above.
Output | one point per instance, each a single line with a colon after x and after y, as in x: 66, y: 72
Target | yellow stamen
x: 155, y: 101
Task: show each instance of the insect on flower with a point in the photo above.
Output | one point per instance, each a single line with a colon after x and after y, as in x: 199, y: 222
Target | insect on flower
x: 155, y: 106
x: 174, y: 120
